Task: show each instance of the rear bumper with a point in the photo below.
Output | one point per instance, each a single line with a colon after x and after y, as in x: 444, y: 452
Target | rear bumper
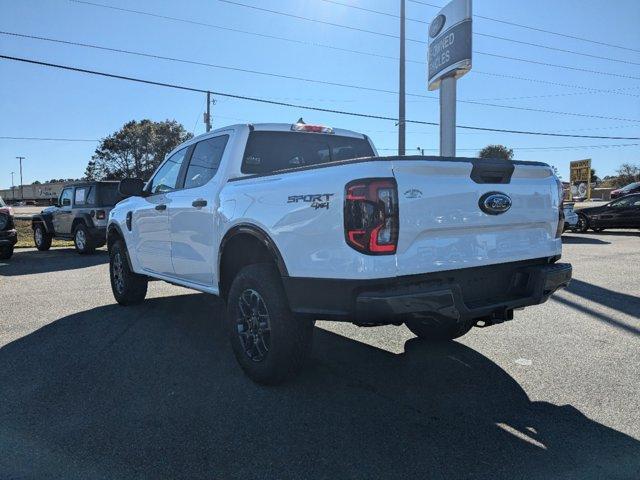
x: 8, y: 238
x: 490, y: 293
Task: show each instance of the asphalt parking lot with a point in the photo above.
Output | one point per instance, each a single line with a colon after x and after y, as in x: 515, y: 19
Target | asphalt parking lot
x: 89, y: 389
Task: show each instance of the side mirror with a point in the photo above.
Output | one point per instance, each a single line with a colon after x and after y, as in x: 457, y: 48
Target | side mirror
x: 66, y: 202
x: 131, y: 187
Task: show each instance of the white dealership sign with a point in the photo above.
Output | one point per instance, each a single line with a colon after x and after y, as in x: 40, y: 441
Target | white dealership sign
x: 450, y: 42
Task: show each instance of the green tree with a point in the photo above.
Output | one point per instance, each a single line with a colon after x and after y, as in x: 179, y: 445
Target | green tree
x: 135, y: 150
x: 496, y: 151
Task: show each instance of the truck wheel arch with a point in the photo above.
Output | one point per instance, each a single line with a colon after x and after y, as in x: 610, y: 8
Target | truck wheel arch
x: 114, y: 233
x: 44, y: 220
x: 257, y: 247
x: 83, y: 218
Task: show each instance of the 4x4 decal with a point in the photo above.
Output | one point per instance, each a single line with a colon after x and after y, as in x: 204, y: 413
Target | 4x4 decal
x: 317, y: 200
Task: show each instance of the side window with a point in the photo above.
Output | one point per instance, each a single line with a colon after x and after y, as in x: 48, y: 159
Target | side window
x: 79, y: 198
x: 166, y: 178
x: 205, y: 161
x: 65, y: 197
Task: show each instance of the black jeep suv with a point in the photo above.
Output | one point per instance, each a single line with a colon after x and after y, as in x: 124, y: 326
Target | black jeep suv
x: 81, y: 215
x: 8, y: 235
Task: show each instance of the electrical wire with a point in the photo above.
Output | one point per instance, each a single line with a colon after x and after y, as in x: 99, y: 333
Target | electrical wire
x: 292, y: 105
x: 480, y: 34
x: 408, y: 39
x: 331, y: 47
x: 536, y: 29
x: 314, y: 80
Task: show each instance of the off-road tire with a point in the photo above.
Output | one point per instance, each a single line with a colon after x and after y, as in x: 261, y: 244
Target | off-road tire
x: 6, y: 253
x: 289, y: 339
x: 128, y: 287
x: 41, y: 238
x: 82, y: 240
x: 435, y: 330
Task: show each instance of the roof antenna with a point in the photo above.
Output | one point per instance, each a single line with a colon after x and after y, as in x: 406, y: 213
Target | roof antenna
x: 301, y: 121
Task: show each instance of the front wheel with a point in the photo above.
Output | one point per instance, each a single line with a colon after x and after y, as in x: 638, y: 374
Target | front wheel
x: 82, y: 240
x: 128, y: 287
x: 6, y: 253
x: 436, y: 330
x: 268, y: 342
x: 583, y: 224
x: 41, y: 238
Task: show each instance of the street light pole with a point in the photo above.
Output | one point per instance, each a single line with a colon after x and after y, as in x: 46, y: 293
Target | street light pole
x: 401, y: 99
x: 21, y: 187
x: 13, y: 189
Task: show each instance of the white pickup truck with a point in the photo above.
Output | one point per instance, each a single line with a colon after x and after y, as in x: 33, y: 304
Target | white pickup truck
x: 293, y: 223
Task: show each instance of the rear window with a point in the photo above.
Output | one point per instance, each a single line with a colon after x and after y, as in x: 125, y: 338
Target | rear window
x: 267, y: 152
x: 109, y: 195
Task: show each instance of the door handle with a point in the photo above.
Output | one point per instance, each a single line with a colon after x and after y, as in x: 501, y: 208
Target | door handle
x: 161, y: 207
x: 199, y: 203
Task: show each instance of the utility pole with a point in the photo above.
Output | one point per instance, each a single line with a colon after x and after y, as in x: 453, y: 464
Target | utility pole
x: 13, y: 189
x: 401, y: 99
x: 21, y: 187
x: 207, y: 116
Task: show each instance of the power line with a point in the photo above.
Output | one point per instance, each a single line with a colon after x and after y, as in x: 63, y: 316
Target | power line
x: 292, y: 105
x: 480, y: 34
x: 568, y: 147
x: 312, y: 80
x: 339, y: 49
x: 389, y: 35
x: 45, y: 139
x: 536, y: 29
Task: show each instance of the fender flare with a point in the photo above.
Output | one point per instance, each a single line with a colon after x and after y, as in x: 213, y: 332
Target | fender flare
x: 114, y: 227
x: 262, y: 236
x: 83, y: 217
x: 45, y: 220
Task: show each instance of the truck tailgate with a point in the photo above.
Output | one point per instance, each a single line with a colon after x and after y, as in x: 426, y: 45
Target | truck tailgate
x: 442, y: 226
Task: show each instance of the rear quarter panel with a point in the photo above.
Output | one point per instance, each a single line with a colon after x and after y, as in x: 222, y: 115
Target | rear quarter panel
x: 307, y: 230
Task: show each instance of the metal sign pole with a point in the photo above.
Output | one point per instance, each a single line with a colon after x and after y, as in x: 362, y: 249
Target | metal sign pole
x: 448, y: 117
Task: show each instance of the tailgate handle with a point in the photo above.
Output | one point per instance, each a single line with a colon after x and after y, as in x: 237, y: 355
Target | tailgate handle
x: 492, y: 170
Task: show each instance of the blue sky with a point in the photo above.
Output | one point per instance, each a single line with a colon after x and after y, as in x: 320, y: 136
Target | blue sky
x: 42, y: 102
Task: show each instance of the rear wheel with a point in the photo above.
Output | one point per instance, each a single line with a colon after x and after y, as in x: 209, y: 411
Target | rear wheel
x: 128, y: 287
x: 268, y: 342
x: 583, y: 224
x: 41, y: 238
x: 6, y: 253
x: 436, y: 330
x: 82, y: 240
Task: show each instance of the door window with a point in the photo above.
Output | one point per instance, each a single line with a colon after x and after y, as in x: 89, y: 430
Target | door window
x: 623, y: 202
x: 205, y: 161
x: 166, y: 178
x: 65, y: 197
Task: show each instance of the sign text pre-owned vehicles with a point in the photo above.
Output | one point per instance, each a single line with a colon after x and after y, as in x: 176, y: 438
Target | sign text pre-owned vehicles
x: 293, y: 223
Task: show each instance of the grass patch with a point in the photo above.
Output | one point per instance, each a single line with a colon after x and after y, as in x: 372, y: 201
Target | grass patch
x: 25, y: 236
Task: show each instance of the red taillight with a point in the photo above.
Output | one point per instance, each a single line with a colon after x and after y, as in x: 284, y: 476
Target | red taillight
x: 371, y: 216
x: 101, y: 215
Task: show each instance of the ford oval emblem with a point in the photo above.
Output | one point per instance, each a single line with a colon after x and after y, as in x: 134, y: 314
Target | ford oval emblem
x: 495, y: 203
x: 436, y: 25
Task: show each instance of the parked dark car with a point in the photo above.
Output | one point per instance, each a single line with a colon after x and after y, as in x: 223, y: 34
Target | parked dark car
x: 626, y: 190
x: 80, y: 214
x: 8, y: 235
x: 621, y: 213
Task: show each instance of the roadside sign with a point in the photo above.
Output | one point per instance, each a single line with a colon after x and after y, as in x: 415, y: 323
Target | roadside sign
x: 450, y: 42
x: 580, y: 179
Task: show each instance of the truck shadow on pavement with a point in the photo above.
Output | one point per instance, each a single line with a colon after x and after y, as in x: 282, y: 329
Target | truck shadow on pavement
x: 27, y: 262
x: 582, y: 240
x: 153, y: 391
